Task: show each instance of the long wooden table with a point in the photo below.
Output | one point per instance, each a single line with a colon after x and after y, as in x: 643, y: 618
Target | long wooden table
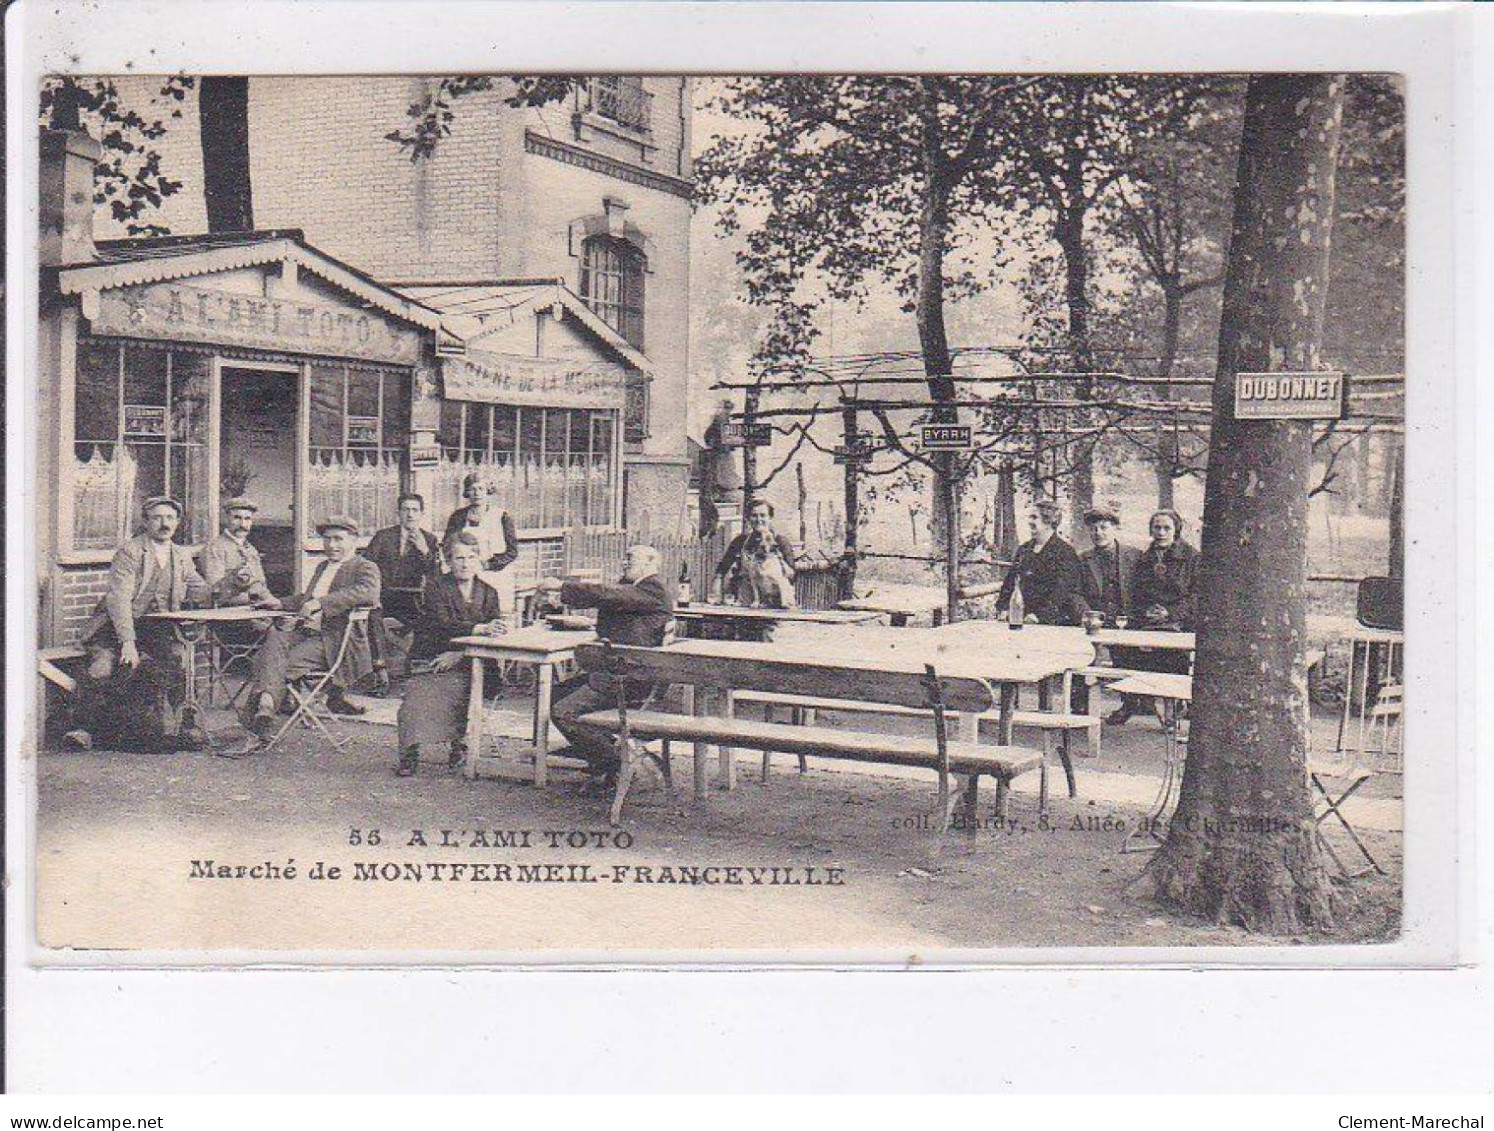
x: 747, y: 621
x: 539, y: 645
x: 974, y: 649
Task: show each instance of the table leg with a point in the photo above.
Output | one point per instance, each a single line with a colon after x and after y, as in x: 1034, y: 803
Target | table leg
x: 544, y: 680
x: 1005, y: 723
x: 475, y: 727
x: 1343, y: 720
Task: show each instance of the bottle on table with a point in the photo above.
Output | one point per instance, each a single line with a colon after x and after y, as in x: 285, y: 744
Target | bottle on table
x: 683, y: 594
x: 1016, y: 612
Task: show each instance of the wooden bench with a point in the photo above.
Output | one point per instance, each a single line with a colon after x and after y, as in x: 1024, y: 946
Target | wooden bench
x: 939, y: 696
x: 48, y: 661
x: 805, y: 706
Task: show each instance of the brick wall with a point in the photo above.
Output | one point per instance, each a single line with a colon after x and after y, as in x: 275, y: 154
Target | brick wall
x: 322, y: 163
x: 78, y: 592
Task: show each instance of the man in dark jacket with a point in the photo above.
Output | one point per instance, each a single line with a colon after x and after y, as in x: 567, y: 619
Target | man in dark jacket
x: 636, y: 610
x: 1048, y: 569
x: 1106, y: 575
x: 407, y: 555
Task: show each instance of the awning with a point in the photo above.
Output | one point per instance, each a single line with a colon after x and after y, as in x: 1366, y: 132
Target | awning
x: 545, y: 382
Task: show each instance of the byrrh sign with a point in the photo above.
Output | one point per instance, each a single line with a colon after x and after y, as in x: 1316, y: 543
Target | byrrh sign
x: 1290, y: 396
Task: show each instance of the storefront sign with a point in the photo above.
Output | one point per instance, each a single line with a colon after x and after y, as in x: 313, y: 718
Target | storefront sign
x: 1290, y: 396
x: 173, y: 312
x: 144, y: 420
x: 550, y: 382
x: 424, y: 456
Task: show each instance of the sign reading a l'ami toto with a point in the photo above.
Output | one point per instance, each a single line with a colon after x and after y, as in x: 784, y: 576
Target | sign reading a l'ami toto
x: 946, y: 437
x: 1290, y: 396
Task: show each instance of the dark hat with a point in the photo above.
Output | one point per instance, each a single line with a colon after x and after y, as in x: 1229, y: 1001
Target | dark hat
x: 338, y: 522
x: 471, y: 479
x: 1107, y: 511
x: 155, y: 501
x: 241, y: 504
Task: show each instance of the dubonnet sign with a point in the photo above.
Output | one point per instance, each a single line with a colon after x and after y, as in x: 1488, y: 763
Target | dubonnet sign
x: 1290, y: 396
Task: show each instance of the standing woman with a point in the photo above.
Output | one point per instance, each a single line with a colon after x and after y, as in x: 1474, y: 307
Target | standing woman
x: 497, y: 542
x: 1162, y: 596
x: 434, y: 712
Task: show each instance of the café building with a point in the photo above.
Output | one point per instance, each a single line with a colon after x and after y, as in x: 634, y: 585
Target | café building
x: 206, y: 367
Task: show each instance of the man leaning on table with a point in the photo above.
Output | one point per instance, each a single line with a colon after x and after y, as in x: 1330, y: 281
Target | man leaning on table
x: 344, y: 581
x: 634, y: 610
x: 128, y: 653
x: 231, y: 564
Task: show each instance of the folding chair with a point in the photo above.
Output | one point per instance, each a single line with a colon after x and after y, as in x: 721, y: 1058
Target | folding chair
x: 310, y: 710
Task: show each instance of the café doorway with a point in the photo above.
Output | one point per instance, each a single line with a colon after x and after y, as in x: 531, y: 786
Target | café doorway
x: 258, y: 458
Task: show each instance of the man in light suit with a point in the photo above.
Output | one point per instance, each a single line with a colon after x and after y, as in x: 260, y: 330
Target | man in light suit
x: 344, y: 581
x: 231, y: 563
x: 150, y: 573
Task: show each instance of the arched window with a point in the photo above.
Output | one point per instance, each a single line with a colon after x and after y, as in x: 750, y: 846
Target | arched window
x: 612, y: 285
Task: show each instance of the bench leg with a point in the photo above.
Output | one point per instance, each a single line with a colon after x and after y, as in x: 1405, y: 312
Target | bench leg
x: 1003, y: 789
x: 694, y: 702
x: 767, y: 764
x: 727, y: 755
x: 1065, y: 753
x: 806, y: 718
x: 1043, y: 787
x: 944, y: 801
x: 1096, y: 690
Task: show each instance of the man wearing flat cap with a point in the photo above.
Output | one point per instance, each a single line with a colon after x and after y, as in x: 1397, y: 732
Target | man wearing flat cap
x: 149, y: 573
x: 231, y: 563
x: 1107, y: 565
x: 342, y: 582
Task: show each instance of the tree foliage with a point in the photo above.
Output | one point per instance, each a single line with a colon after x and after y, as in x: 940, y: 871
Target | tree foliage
x: 432, y: 117
x: 128, y: 178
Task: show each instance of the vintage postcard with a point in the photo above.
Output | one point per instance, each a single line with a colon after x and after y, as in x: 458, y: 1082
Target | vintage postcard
x: 585, y: 517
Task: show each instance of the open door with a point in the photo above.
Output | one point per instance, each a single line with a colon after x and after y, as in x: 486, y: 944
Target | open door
x: 259, y: 459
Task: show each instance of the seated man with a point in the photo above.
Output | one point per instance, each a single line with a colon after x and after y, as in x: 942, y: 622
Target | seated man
x: 341, y: 583
x: 231, y: 563
x: 407, y: 555
x: 434, y: 712
x: 636, y: 610
x: 128, y: 655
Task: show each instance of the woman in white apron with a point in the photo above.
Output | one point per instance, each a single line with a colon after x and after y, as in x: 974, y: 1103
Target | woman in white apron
x: 493, y: 528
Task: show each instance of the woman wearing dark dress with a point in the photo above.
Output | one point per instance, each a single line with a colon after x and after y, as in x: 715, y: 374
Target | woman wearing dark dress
x: 434, y: 713
x: 1162, y: 598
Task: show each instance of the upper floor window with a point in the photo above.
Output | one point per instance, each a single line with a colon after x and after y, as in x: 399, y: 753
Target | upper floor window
x: 620, y: 98
x: 612, y: 273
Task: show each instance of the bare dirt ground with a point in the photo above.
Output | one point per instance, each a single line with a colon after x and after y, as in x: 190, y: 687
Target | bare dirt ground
x: 118, y: 835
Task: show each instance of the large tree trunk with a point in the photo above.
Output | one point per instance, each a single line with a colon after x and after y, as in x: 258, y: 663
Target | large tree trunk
x: 933, y: 339
x: 223, y: 113
x: 1242, y: 847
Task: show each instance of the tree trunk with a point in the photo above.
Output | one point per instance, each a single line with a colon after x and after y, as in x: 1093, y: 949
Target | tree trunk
x: 223, y: 111
x: 1070, y: 233
x: 1397, y: 511
x: 853, y: 506
x: 1167, y: 438
x: 750, y: 403
x: 1242, y: 847
x: 933, y: 339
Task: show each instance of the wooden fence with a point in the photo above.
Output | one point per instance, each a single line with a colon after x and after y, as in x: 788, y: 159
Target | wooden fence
x: 603, y: 551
